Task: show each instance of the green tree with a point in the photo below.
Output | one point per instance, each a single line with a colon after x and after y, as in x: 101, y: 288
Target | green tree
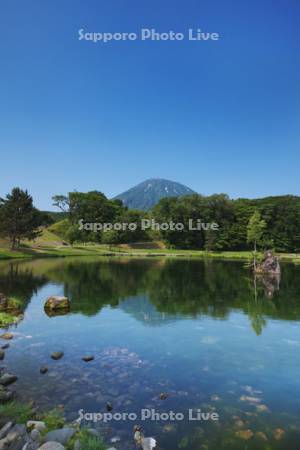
x: 255, y: 231
x: 19, y: 219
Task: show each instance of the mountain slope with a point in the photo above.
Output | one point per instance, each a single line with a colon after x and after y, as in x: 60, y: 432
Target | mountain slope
x: 146, y: 194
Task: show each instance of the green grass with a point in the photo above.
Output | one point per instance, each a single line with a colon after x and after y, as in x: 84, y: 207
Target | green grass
x: 7, y: 319
x: 53, y: 419
x: 17, y: 412
x: 87, y: 441
x: 50, y: 245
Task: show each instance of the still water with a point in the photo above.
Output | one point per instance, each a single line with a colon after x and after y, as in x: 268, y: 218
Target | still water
x: 205, y: 334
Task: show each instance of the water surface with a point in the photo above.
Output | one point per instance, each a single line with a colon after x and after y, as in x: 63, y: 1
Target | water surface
x: 205, y: 333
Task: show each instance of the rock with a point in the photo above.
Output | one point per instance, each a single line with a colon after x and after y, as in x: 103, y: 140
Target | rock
x: 57, y: 355
x: 109, y: 406
x: 36, y: 424
x: 62, y: 435
x: 5, y: 395
x: 270, y: 264
x: 111, y: 448
x: 43, y: 370
x: 247, y: 398
x: 261, y: 435
x: 7, y: 378
x: 148, y: 443
x: 169, y: 428
x: 4, y: 430
x: 2, y: 355
x: 55, y: 303
x: 138, y: 437
x: 163, y: 396
x: 7, y: 336
x: 77, y: 445
x: 35, y: 435
x: 115, y: 439
x: 244, y: 434
x: 16, y: 437
x: 88, y: 358
x: 5, y: 346
x: 262, y: 408
x: 278, y: 434
x: 239, y: 423
x: 52, y: 446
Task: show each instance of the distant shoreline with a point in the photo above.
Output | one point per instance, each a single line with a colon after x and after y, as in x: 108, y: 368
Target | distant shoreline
x: 118, y: 251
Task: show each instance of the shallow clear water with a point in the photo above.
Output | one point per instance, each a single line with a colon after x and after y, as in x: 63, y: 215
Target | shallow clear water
x: 204, y: 333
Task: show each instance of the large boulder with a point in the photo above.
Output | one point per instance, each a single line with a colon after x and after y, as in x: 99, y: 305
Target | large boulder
x: 56, y: 304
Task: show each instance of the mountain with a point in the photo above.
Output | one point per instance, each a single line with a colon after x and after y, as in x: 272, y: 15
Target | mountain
x: 146, y: 194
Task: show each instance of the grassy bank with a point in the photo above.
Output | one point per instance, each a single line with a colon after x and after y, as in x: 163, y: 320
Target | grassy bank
x: 104, y: 250
x: 50, y: 245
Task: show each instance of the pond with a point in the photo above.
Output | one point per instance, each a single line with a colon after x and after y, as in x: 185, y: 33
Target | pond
x: 167, y: 335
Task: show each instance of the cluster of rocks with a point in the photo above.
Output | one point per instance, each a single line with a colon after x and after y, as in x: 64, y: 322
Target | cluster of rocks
x: 6, y: 379
x: 32, y: 437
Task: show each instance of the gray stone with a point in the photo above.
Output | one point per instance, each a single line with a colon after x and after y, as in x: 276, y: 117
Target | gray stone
x: 77, y: 445
x: 5, y: 395
x: 4, y: 430
x: 57, y: 355
x: 15, y: 439
x: 2, y: 355
x: 62, y: 435
x: 8, y: 378
x: 36, y: 424
x: 88, y: 358
x: 52, y: 446
x: 35, y: 435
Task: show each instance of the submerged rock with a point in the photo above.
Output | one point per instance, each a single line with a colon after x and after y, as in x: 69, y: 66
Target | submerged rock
x: 249, y: 399
x: 109, y: 406
x: 262, y: 408
x: 261, y: 435
x: 163, y: 396
x: 7, y: 336
x: 57, y: 355
x: 278, y: 434
x: 88, y: 358
x: 2, y: 355
x: 43, y: 370
x: 245, y: 434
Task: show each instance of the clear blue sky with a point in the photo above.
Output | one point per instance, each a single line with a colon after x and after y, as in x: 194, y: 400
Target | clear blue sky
x: 217, y: 116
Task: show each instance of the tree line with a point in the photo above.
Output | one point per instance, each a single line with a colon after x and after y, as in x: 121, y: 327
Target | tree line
x: 272, y: 222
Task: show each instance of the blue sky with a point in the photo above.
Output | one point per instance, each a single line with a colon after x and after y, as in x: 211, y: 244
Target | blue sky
x: 217, y: 116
